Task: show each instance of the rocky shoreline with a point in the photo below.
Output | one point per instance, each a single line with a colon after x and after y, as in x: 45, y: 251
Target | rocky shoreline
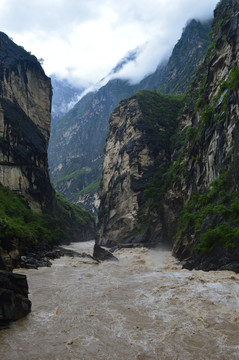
x: 14, y: 301
x: 44, y: 257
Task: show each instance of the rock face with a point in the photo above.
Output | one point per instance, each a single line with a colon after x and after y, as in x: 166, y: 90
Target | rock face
x: 77, y: 143
x: 25, y: 113
x: 194, y: 199
x: 175, y: 76
x: 76, y: 150
x: 102, y: 254
x: 14, y: 302
x: 137, y: 143
x: 32, y: 215
x: 208, y: 237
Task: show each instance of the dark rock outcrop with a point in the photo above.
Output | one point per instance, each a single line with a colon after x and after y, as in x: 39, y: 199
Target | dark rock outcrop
x: 103, y: 254
x: 44, y: 257
x: 14, y: 302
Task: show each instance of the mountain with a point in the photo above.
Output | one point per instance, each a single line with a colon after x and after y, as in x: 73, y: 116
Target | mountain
x: 175, y: 76
x: 33, y: 218
x: 25, y: 103
x: 207, y: 226
x: 77, y: 143
x: 138, y: 143
x: 191, y: 199
x: 64, y: 97
x: 25, y: 114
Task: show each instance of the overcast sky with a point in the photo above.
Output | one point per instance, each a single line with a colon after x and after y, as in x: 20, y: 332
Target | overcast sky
x: 82, y: 40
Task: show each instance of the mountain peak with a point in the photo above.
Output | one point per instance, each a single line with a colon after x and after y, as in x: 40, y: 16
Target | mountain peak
x: 130, y: 56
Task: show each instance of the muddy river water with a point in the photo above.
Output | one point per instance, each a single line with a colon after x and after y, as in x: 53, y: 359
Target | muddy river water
x: 142, y: 307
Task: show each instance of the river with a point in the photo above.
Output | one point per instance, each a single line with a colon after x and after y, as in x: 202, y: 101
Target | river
x: 142, y: 307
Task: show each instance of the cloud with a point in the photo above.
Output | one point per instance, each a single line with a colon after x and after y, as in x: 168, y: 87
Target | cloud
x: 83, y: 40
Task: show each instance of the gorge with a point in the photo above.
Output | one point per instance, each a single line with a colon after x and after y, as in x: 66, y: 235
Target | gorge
x: 76, y: 150
x: 169, y: 181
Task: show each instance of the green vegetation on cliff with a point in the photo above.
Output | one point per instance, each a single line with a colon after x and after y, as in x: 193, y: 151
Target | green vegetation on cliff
x: 160, y: 116
x: 78, y: 140
x: 158, y: 124
x: 162, y: 110
x: 19, y: 222
x: 208, y: 222
x: 208, y: 225
x: 20, y: 225
x: 81, y: 215
x: 212, y: 216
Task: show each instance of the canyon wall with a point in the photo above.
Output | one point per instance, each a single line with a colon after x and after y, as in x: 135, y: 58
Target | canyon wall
x: 76, y: 150
x: 31, y: 212
x: 192, y: 200
x: 25, y: 114
x: 137, y: 144
x: 207, y: 228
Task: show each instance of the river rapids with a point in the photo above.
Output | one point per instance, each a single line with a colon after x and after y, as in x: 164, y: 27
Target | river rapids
x: 142, y: 307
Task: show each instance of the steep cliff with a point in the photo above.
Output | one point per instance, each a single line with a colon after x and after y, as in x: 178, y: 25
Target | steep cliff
x: 29, y: 208
x: 77, y: 144
x: 25, y: 113
x: 32, y: 217
x: 139, y: 141
x: 192, y: 200
x: 208, y: 226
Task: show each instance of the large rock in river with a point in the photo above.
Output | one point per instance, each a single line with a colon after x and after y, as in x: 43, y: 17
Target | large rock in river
x: 14, y: 302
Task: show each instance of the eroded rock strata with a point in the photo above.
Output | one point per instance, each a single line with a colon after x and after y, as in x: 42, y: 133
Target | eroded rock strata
x: 137, y: 143
x: 207, y: 228
x: 194, y: 201
x: 32, y: 217
x: 25, y: 105
x: 25, y: 113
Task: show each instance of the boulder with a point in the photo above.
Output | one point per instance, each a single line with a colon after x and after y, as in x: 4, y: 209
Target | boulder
x: 14, y: 302
x: 103, y: 254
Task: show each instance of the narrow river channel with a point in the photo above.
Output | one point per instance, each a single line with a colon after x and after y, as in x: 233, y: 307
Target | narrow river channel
x: 142, y: 307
